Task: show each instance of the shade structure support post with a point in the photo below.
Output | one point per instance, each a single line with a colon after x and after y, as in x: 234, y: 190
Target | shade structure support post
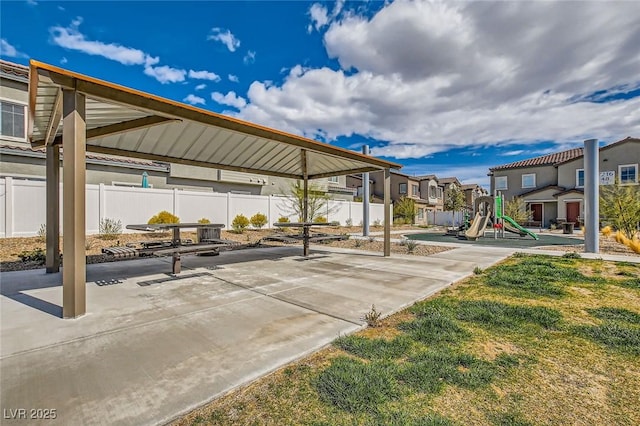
x: 74, y: 273
x: 53, y: 209
x: 387, y: 213
x: 365, y: 197
x: 305, y: 202
x: 591, y: 196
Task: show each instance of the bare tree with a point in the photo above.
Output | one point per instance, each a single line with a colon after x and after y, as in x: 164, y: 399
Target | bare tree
x: 318, y: 201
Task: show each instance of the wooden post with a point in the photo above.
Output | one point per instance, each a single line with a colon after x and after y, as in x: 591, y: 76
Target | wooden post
x: 387, y: 213
x: 74, y: 272
x: 53, y: 209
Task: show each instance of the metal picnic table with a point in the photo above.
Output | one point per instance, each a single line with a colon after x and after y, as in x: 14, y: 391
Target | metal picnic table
x: 306, y: 235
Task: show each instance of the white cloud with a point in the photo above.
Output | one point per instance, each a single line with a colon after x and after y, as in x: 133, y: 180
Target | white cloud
x: 320, y: 16
x: 250, y: 57
x: 224, y: 37
x: 194, y: 100
x: 201, y: 86
x: 32, y: 2
x: 428, y: 76
x: 165, y: 74
x: 233, y: 78
x: 7, y: 49
x: 229, y: 99
x: 71, y: 38
x: 64, y: 60
x: 204, y: 75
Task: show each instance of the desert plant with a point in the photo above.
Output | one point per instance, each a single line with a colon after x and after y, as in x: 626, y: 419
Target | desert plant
x: 377, y: 222
x: 357, y: 242
x: 373, y: 317
x: 405, y: 209
x: 606, y: 231
x: 42, y: 232
x: 258, y: 220
x: 37, y: 255
x: 204, y: 220
x: 620, y: 205
x: 411, y: 246
x: 88, y: 244
x: 317, y: 201
x: 572, y: 255
x: 240, y: 223
x: 477, y: 270
x: 403, y: 241
x: 349, y: 222
x: 164, y: 217
x: 517, y: 210
x: 372, y: 239
x: 320, y: 219
x: 110, y: 228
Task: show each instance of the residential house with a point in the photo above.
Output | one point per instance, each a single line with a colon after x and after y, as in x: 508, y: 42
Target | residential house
x: 471, y: 192
x: 552, y: 185
x: 19, y: 160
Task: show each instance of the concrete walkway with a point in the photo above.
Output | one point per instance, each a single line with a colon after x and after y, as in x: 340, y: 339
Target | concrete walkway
x: 153, y: 347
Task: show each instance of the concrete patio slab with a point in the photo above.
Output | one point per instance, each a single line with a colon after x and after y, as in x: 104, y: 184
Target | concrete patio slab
x: 154, y: 346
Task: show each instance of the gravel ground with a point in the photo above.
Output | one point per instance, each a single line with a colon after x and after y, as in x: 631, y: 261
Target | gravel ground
x: 12, y: 247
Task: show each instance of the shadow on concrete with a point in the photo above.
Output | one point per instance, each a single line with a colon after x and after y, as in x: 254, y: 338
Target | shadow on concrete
x: 15, y: 285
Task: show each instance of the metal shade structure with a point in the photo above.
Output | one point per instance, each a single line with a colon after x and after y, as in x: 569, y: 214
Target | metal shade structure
x: 83, y: 114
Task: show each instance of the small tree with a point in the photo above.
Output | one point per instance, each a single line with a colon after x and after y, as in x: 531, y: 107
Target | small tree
x: 404, y: 210
x: 258, y: 220
x: 516, y: 209
x: 455, y: 199
x: 317, y: 202
x: 620, y: 205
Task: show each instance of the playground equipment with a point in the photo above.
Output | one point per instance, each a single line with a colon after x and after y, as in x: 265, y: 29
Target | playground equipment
x: 477, y: 228
x: 484, y: 206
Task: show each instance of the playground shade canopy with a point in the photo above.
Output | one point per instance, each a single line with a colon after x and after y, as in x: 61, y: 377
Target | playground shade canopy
x: 124, y: 122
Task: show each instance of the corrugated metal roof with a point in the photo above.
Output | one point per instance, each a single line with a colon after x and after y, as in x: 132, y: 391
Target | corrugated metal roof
x: 122, y: 121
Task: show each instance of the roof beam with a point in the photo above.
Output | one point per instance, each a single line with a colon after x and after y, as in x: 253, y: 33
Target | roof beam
x: 166, y: 159
x: 345, y: 172
x: 54, y: 122
x: 123, y: 127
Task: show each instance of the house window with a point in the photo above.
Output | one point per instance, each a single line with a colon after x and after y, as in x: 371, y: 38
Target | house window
x: 501, y: 182
x: 333, y: 179
x: 12, y: 120
x: 420, y: 214
x: 579, y: 178
x: 529, y: 180
x: 403, y: 188
x: 439, y: 193
x: 414, y: 190
x: 433, y: 192
x: 628, y: 173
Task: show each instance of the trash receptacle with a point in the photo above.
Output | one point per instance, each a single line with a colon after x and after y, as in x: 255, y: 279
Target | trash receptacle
x: 567, y: 227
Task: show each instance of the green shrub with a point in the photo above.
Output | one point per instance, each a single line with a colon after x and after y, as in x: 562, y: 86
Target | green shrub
x: 240, y: 223
x: 373, y: 316
x: 258, y: 220
x: 283, y: 219
x: 164, y: 217
x: 320, y: 219
x: 36, y: 255
x: 411, y: 246
x: 204, y: 220
x: 110, y: 229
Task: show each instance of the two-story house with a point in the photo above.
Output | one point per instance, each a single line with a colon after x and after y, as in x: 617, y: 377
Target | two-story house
x: 19, y: 160
x: 471, y: 192
x: 552, y: 185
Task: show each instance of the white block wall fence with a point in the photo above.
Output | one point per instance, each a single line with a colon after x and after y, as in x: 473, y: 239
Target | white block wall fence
x: 23, y: 206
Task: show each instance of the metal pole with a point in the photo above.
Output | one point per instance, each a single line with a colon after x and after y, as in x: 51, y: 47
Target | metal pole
x: 365, y: 197
x: 387, y: 212
x: 591, y: 196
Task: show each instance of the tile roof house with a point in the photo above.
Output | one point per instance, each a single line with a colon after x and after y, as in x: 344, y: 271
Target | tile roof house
x: 552, y: 185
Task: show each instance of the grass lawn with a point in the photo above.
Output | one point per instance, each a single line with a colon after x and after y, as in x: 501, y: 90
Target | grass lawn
x: 535, y: 340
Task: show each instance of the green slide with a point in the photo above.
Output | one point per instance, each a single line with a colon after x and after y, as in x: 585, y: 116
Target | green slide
x: 519, y: 228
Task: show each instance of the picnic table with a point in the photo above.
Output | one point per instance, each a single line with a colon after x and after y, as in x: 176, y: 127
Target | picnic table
x: 306, y: 235
x: 178, y: 246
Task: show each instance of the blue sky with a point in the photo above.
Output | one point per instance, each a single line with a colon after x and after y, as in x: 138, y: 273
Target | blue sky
x: 450, y: 88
